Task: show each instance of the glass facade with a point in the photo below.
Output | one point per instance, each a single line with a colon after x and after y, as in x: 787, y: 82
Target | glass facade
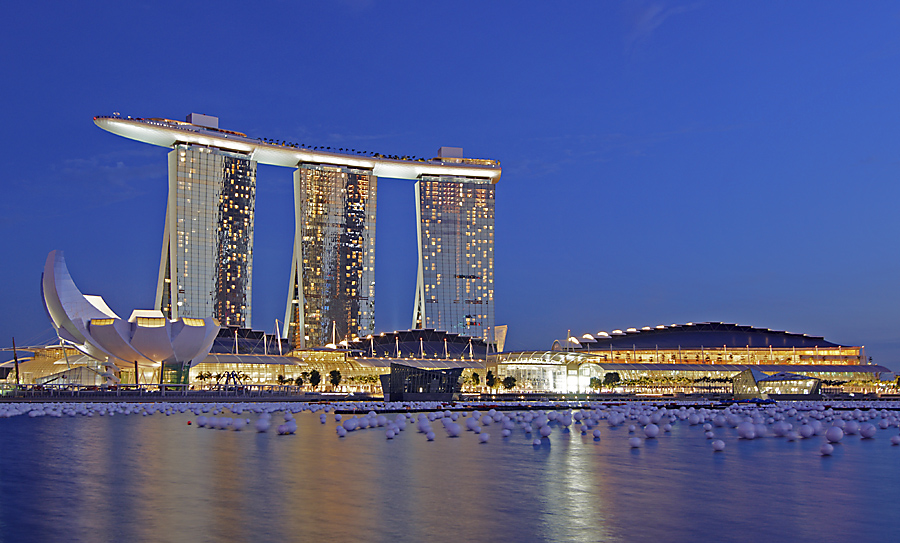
x: 409, y: 383
x: 207, y: 258
x: 572, y: 371
x: 455, y: 285
x: 332, y: 286
x: 724, y: 355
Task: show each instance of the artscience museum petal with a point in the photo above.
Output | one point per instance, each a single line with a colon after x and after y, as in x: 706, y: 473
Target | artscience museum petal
x: 147, y: 338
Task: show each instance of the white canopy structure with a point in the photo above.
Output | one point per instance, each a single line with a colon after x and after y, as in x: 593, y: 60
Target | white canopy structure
x: 147, y: 338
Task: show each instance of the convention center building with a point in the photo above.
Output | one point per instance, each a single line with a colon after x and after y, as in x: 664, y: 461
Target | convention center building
x: 681, y: 357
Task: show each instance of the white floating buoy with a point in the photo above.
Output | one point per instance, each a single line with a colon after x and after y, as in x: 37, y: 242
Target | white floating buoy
x: 635, y: 442
x: 596, y: 433
x: 746, y: 430
x: 483, y: 437
x: 718, y: 445
x: 834, y: 434
x: 867, y: 431
x: 827, y: 448
x: 536, y: 442
x: 895, y: 440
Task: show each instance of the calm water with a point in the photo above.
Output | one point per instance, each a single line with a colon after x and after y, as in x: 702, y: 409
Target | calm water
x: 133, y: 478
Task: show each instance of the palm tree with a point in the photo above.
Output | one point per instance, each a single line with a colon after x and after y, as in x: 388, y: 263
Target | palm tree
x: 335, y: 378
x: 490, y: 380
x: 203, y: 376
x: 314, y: 378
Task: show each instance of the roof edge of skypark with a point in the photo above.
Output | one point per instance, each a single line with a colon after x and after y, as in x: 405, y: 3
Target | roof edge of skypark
x: 166, y: 133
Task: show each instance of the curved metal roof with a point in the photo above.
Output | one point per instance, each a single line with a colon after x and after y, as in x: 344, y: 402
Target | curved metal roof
x: 166, y: 133
x: 710, y: 335
x: 414, y: 343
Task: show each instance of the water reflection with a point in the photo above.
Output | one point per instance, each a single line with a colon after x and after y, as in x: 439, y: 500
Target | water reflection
x: 156, y: 479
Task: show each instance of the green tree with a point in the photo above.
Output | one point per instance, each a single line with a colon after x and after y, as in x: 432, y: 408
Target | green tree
x: 334, y: 377
x: 298, y: 381
x: 490, y: 380
x: 314, y: 378
x: 281, y: 380
x: 476, y: 379
x: 509, y: 382
x: 611, y: 378
x: 596, y: 383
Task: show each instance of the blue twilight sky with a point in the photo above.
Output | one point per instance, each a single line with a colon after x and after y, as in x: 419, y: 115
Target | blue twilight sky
x: 663, y: 162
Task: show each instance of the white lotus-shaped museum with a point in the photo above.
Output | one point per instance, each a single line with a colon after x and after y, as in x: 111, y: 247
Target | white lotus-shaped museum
x: 147, y: 338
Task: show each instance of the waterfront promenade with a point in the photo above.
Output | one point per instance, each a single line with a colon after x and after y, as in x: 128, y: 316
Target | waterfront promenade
x: 278, y: 393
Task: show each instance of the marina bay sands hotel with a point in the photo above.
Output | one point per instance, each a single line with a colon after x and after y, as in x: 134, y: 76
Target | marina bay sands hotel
x: 206, y: 266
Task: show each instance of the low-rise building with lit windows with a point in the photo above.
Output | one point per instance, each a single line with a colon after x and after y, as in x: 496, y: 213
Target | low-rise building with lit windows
x: 680, y: 358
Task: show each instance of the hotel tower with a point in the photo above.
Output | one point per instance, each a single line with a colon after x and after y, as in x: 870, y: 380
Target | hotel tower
x: 455, y: 281
x: 206, y: 266
x: 333, y: 267
x: 207, y: 257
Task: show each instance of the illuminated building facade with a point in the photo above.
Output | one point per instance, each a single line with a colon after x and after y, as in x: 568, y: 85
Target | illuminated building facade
x: 455, y: 283
x: 713, y: 343
x: 681, y: 356
x: 207, y: 256
x: 206, y: 265
x: 332, y: 287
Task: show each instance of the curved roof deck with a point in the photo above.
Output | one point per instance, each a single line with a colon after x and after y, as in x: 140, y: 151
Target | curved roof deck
x: 167, y: 133
x: 702, y: 335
